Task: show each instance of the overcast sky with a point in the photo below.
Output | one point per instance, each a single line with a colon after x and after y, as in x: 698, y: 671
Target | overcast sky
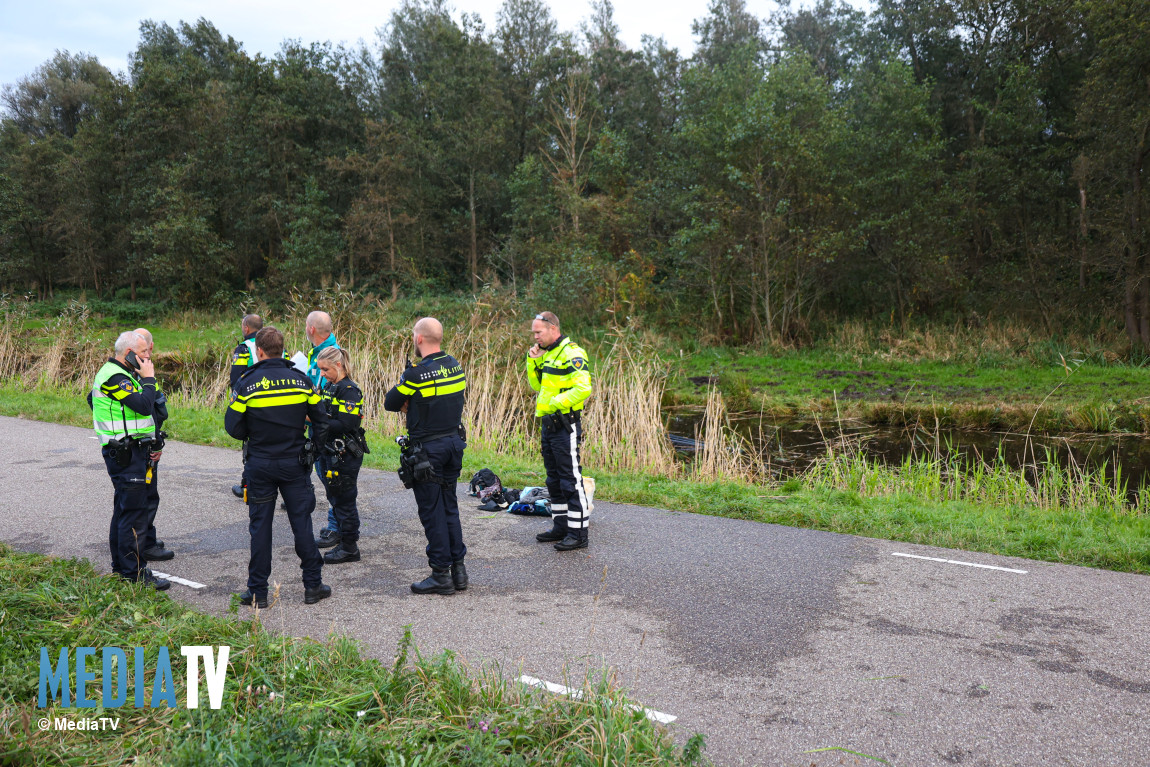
x: 31, y: 30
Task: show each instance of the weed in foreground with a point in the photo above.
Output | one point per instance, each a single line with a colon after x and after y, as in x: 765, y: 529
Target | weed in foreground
x: 290, y: 700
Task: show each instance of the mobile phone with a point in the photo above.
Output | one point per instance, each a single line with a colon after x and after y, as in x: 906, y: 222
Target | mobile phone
x: 132, y: 360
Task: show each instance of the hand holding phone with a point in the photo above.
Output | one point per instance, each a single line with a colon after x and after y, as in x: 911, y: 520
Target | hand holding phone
x: 147, y: 369
x: 535, y: 351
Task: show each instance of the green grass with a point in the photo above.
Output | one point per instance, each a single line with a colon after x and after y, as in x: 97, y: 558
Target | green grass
x: 1010, y: 393
x: 1080, y: 522
x: 287, y: 700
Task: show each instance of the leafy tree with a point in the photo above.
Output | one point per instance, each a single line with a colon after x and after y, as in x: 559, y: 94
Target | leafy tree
x: 525, y: 39
x: 896, y: 193
x: 1114, y: 115
x: 726, y: 32
x: 58, y: 96
x: 314, y: 244
x: 184, y: 256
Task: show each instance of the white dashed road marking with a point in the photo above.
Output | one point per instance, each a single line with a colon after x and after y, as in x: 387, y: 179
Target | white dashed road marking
x: 558, y: 689
x: 957, y: 562
x: 181, y: 581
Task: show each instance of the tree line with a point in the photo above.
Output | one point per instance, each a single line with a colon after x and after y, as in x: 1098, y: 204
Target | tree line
x: 942, y: 158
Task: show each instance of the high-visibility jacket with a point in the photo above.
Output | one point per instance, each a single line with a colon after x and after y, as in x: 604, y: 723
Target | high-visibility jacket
x: 115, y: 402
x: 243, y: 357
x: 561, y: 378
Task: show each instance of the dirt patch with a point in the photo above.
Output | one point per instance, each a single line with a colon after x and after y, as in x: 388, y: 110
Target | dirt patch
x: 845, y: 374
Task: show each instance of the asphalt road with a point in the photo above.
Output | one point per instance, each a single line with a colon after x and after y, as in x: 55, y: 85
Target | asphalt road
x: 783, y: 646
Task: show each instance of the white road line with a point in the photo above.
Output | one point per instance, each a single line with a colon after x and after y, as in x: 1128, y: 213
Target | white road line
x: 559, y: 689
x: 956, y: 562
x: 178, y: 580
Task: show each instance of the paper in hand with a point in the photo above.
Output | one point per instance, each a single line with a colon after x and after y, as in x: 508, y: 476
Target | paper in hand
x: 299, y: 362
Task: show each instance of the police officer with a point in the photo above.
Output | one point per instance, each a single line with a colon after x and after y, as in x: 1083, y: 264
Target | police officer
x: 318, y: 329
x: 343, y: 449
x: 243, y: 357
x: 557, y: 370
x: 432, y: 394
x: 123, y: 399
x: 154, y: 550
x: 269, y: 410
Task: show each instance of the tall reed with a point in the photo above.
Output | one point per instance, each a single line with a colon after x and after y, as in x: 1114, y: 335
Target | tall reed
x: 938, y: 475
x: 623, y: 423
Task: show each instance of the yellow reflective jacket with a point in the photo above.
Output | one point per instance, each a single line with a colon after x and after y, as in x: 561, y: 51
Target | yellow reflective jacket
x: 561, y: 378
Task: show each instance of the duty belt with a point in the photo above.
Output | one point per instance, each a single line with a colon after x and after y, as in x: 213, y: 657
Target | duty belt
x: 431, y: 438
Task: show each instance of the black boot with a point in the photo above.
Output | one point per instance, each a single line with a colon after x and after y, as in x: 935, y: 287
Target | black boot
x: 459, y: 575
x: 439, y: 582
x: 557, y: 533
x: 316, y: 593
x: 328, y: 538
x: 157, y: 554
x: 576, y: 539
x: 345, y: 552
x: 159, y: 584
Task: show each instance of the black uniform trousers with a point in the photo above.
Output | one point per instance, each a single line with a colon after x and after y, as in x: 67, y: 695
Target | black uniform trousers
x: 342, y: 494
x: 438, y: 505
x: 130, y: 506
x: 153, y: 502
x: 321, y: 467
x: 266, y: 477
x: 564, y: 475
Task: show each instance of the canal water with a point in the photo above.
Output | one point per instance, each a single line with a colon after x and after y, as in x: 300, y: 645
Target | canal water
x: 792, y: 448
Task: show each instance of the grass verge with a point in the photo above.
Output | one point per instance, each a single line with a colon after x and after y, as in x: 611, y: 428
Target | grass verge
x: 1064, y: 518
x: 1040, y: 396
x: 286, y: 700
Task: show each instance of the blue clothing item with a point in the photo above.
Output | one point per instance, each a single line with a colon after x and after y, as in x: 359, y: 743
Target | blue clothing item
x: 317, y: 379
x: 266, y: 477
x: 319, y: 382
x: 128, y: 530
x: 438, y: 506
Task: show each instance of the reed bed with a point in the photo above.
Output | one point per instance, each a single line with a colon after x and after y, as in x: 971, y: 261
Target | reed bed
x: 938, y: 476
x: 623, y: 422
x: 723, y: 453
x: 624, y: 431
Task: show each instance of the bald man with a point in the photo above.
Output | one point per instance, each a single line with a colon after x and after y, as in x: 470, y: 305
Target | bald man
x: 432, y: 392
x: 318, y: 329
x: 153, y: 549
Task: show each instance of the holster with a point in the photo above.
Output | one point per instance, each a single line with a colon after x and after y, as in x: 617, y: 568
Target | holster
x: 123, y: 448
x: 414, y: 467
x: 557, y: 421
x: 307, y: 454
x: 353, y: 447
